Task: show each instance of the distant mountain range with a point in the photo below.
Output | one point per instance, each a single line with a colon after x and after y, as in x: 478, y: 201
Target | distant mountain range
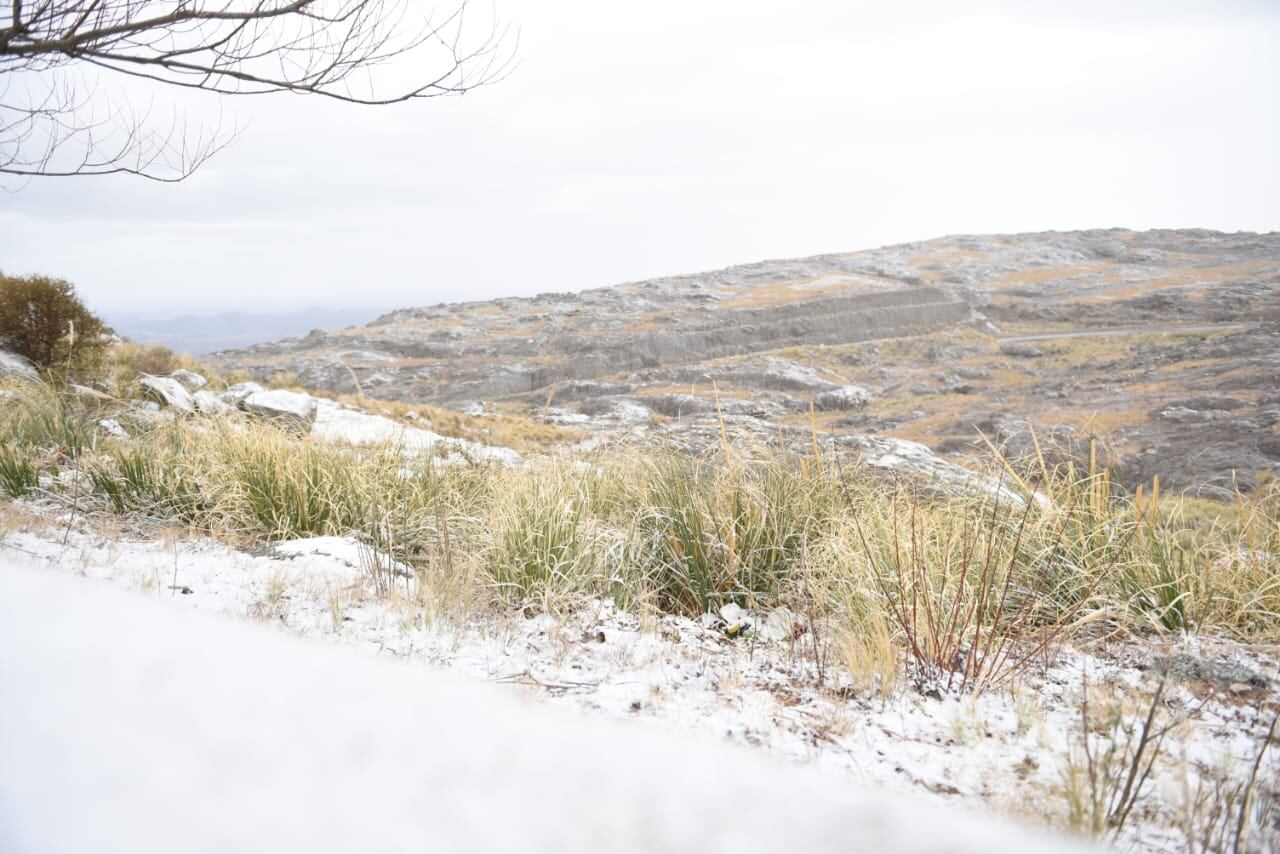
x: 208, y: 333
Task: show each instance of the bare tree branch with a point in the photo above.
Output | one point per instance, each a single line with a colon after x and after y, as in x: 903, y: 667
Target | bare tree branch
x: 52, y: 124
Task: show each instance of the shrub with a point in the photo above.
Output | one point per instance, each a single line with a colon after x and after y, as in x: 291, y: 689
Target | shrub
x: 966, y: 591
x: 125, y: 362
x: 154, y: 359
x: 43, y: 319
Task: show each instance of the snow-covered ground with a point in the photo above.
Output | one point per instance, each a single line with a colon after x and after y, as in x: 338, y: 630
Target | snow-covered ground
x: 338, y: 423
x: 1003, y: 752
x: 128, y: 726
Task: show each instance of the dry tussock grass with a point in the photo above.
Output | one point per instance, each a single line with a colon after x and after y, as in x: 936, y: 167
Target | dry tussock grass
x: 958, y: 587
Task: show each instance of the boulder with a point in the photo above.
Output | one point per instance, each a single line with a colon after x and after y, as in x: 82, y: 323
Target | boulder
x: 168, y: 392
x: 775, y: 375
x: 589, y: 389
x: 344, y: 425
x: 208, y: 403
x: 843, y: 398
x: 1221, y: 672
x: 676, y: 405
x: 236, y: 394
x: 619, y: 408
x: 190, y: 380
x: 114, y: 428
x: 91, y: 397
x: 289, y: 409
x: 1057, y: 444
x: 1021, y: 350
x: 1208, y: 402
x: 916, y: 463
x: 13, y: 365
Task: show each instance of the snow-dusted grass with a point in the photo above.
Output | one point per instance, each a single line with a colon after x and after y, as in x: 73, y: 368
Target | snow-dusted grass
x: 953, y: 611
x: 1009, y: 751
x: 679, y: 534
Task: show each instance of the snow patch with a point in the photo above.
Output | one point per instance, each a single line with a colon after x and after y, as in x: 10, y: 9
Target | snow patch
x: 129, y: 726
x: 343, y: 424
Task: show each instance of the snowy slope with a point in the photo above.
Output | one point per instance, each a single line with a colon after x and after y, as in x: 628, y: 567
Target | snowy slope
x: 130, y: 725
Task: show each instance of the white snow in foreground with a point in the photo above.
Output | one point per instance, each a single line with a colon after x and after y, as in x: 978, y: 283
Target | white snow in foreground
x: 130, y: 725
x: 342, y: 424
x: 337, y: 560
x: 1000, y: 753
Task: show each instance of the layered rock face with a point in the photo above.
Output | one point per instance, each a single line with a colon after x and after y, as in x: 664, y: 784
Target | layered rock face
x: 513, y: 347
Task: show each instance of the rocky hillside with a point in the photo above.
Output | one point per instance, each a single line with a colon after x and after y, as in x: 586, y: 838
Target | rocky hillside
x: 1165, y: 343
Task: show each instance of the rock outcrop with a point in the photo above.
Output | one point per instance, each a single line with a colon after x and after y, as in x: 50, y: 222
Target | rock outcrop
x: 13, y: 366
x: 169, y: 393
x: 236, y: 394
x: 190, y: 380
x: 345, y: 425
x: 845, y: 397
x: 289, y: 409
x: 209, y: 403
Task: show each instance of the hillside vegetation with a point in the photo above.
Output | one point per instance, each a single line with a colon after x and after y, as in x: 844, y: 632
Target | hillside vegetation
x: 1062, y: 549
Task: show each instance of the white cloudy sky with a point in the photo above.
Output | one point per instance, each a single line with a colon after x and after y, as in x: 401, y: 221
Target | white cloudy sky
x: 671, y: 136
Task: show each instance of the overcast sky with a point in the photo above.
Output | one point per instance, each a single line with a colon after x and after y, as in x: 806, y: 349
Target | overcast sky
x: 637, y: 140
